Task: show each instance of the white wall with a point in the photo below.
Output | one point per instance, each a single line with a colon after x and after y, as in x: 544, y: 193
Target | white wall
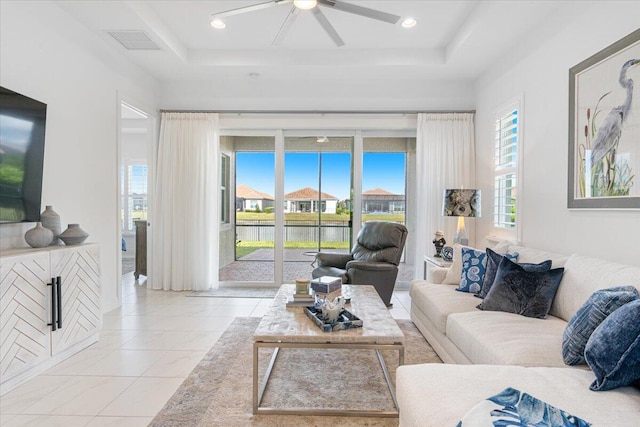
x: 325, y: 95
x: 540, y: 73
x: 134, y: 146
x: 46, y: 55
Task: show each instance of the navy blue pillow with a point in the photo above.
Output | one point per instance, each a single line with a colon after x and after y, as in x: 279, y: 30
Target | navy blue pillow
x: 493, y: 261
x: 613, y: 350
x: 518, y: 291
x: 599, y: 305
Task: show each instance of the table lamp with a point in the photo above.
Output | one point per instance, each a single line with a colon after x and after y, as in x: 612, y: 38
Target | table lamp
x: 461, y: 203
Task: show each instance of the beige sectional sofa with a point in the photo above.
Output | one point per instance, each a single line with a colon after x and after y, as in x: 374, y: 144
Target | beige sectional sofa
x: 508, y: 350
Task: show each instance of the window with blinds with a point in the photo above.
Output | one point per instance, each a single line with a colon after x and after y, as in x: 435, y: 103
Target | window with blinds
x: 224, y: 189
x: 506, y: 169
x: 134, y: 179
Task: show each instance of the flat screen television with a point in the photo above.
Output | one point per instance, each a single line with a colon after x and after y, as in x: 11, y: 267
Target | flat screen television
x: 22, y: 129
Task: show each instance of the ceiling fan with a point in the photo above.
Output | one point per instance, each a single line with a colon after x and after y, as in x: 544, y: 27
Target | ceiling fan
x: 298, y: 5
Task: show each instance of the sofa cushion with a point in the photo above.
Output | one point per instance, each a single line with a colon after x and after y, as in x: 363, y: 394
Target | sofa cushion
x: 613, y: 350
x: 535, y: 256
x: 516, y: 290
x: 474, y: 264
x: 599, y: 305
x: 495, y: 337
x: 439, y: 301
x: 493, y: 261
x: 437, y: 394
x: 585, y: 275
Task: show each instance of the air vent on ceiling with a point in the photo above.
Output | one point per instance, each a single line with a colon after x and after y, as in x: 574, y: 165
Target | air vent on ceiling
x: 134, y: 40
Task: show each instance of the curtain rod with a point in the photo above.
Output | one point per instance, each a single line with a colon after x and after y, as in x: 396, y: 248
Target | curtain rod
x: 316, y: 111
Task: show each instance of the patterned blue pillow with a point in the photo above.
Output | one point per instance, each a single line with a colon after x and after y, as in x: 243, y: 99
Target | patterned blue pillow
x: 613, y: 350
x: 599, y: 305
x: 512, y: 407
x: 474, y: 264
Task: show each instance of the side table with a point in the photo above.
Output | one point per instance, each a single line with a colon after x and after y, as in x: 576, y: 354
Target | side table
x: 430, y: 261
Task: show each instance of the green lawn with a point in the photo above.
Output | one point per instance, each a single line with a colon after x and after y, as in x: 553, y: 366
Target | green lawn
x: 307, y: 216
x: 244, y: 248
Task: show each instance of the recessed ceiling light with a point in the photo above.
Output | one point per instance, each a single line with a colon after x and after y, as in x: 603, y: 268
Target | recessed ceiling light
x: 218, y: 24
x: 409, y: 23
x: 305, y: 4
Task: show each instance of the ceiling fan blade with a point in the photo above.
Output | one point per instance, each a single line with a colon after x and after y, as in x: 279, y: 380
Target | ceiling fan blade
x: 251, y: 8
x: 291, y: 17
x: 324, y: 22
x: 360, y: 10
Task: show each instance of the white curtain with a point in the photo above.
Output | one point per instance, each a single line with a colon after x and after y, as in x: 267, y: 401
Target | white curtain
x: 445, y: 152
x: 186, y: 209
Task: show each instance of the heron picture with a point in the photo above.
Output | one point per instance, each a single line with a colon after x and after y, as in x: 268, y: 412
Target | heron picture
x: 605, y: 129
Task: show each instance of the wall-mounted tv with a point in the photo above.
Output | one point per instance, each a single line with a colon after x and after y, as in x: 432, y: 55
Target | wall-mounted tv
x: 22, y: 129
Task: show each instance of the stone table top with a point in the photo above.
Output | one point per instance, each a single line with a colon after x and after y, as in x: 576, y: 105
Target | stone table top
x: 291, y: 324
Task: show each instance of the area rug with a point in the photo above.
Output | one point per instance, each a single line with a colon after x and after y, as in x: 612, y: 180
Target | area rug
x: 238, y: 292
x: 218, y: 392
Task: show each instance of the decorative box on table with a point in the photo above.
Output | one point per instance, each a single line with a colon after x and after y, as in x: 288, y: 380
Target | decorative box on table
x: 326, y: 284
x: 346, y: 320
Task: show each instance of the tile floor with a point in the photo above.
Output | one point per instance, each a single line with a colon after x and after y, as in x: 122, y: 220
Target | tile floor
x: 147, y: 348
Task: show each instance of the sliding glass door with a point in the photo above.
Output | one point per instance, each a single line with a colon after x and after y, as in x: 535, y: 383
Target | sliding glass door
x: 247, y: 247
x: 293, y: 194
x: 317, y: 199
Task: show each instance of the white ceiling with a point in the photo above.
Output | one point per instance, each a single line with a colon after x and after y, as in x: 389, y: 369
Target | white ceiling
x: 453, y: 40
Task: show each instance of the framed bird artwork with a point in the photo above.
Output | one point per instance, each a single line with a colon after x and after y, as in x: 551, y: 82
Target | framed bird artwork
x: 604, y: 128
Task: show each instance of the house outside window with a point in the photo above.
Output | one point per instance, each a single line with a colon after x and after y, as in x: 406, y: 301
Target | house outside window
x: 508, y: 145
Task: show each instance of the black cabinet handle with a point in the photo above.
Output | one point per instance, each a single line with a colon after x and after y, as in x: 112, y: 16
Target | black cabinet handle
x: 54, y: 305
x: 59, y: 300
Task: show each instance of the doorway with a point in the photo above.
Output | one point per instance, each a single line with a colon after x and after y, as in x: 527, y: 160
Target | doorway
x: 134, y: 168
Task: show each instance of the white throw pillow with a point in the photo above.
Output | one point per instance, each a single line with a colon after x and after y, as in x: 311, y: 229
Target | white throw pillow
x: 455, y: 271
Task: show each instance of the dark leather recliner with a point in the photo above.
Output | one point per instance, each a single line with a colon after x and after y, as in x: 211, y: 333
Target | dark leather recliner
x: 373, y: 260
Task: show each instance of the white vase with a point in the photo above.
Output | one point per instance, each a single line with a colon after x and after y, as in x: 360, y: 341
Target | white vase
x: 38, y: 236
x: 51, y: 220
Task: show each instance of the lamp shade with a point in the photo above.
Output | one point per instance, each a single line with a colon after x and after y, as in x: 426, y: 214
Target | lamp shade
x: 461, y: 202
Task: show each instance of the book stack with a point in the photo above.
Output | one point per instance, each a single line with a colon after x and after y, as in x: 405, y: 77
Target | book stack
x: 303, y: 300
x: 327, y: 286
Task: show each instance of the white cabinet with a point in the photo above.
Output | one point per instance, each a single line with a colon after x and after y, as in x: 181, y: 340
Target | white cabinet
x: 81, y: 315
x: 24, y: 313
x: 38, y: 327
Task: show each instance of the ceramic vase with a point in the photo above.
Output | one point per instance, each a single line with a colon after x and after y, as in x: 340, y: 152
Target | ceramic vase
x: 73, y: 235
x: 38, y: 236
x: 51, y: 220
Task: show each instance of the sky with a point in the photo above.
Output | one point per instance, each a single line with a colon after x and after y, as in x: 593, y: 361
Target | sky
x: 383, y: 170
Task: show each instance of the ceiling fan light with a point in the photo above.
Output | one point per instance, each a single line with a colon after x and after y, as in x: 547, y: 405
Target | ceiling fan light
x: 305, y: 4
x: 409, y: 23
x: 218, y: 24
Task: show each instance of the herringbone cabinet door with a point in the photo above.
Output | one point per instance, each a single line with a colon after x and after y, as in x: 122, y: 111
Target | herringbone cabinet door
x: 79, y: 269
x: 25, y: 307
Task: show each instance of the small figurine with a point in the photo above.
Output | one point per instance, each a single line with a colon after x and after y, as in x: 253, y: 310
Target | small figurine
x: 439, y: 242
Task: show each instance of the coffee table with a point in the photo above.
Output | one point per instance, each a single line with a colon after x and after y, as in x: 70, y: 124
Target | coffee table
x: 289, y: 327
